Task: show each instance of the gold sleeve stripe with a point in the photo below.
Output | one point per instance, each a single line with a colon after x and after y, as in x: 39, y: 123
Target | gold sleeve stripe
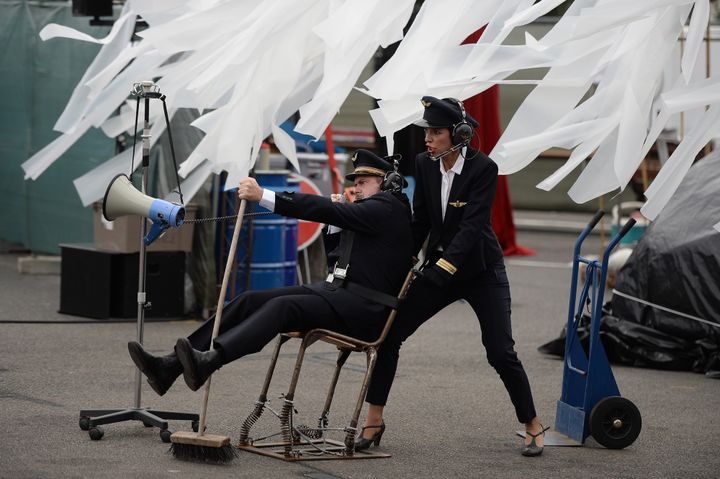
x: 446, y: 265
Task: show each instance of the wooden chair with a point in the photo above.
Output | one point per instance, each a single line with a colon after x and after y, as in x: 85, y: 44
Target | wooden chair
x: 302, y: 443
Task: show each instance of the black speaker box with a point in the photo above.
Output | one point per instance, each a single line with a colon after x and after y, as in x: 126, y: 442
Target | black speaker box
x: 103, y: 284
x: 92, y: 8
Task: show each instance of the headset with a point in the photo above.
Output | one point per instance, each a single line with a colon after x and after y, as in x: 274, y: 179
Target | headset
x: 392, y: 181
x: 462, y: 132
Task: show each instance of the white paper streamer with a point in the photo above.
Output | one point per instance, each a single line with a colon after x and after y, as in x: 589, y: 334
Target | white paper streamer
x: 54, y: 30
x: 252, y: 64
x: 92, y: 185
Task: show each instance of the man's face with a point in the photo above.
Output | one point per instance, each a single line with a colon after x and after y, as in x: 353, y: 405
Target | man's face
x: 437, y: 140
x: 366, y: 186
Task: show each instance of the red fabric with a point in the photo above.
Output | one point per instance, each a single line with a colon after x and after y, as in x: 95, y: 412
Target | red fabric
x: 485, y: 108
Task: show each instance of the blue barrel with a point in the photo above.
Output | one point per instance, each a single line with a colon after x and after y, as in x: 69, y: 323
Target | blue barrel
x: 223, y: 239
x: 273, y: 263
x: 267, y: 264
x: 268, y: 240
x: 267, y: 275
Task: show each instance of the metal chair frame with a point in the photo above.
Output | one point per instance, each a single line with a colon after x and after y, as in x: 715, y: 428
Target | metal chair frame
x: 300, y: 444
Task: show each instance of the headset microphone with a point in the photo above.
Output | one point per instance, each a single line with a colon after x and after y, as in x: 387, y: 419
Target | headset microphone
x: 450, y: 150
x: 461, y: 132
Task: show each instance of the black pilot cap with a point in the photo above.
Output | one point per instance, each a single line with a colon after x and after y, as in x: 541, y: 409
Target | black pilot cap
x: 367, y: 163
x: 443, y: 113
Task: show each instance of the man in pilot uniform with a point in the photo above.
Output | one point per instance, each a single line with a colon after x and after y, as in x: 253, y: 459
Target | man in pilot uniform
x: 373, y: 259
x: 451, y: 209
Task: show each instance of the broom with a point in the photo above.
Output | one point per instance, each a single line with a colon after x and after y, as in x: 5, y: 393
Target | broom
x: 198, y: 446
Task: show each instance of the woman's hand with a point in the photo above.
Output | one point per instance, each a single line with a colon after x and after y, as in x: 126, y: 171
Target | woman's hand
x: 248, y: 189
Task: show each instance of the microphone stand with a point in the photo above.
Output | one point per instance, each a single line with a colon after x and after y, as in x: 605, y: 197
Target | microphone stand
x: 90, y: 419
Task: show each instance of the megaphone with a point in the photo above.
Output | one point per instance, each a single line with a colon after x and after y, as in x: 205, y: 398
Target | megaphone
x: 121, y: 199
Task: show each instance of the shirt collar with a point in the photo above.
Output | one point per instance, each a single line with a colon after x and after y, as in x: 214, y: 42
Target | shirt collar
x: 458, y: 166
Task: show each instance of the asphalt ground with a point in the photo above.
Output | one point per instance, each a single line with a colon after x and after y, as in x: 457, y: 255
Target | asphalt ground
x: 448, y: 415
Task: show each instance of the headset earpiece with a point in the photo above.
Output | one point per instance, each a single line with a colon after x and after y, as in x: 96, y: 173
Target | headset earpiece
x: 462, y: 132
x: 392, y: 182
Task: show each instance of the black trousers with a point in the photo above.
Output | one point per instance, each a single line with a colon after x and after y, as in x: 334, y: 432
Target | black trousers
x: 489, y: 296
x: 254, y: 318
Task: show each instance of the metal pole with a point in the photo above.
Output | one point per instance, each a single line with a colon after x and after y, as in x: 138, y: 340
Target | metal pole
x: 141, y: 296
x: 306, y: 260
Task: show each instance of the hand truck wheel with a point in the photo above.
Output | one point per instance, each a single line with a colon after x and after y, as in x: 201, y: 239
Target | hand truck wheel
x: 615, y: 422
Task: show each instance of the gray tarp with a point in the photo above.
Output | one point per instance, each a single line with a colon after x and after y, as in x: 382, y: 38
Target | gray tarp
x: 676, y: 265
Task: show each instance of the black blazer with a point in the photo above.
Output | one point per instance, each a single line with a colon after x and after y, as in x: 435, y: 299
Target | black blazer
x: 380, y: 257
x: 466, y: 235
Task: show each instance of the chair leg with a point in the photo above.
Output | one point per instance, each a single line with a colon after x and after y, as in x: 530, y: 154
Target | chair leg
x: 287, y: 409
x: 262, y: 400
x: 342, y: 357
x: 352, y: 428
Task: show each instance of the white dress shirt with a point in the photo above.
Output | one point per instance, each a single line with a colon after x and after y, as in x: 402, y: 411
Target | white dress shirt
x: 447, y: 179
x: 268, y: 200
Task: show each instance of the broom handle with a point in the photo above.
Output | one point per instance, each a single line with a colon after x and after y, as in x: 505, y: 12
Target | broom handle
x: 220, y: 305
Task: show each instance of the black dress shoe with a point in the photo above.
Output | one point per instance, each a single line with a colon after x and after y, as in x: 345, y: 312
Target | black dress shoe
x: 198, y: 366
x: 161, y: 371
x: 361, y: 443
x: 532, y: 449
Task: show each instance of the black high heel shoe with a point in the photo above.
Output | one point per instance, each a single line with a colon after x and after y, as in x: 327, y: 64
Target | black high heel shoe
x: 532, y: 449
x: 361, y: 443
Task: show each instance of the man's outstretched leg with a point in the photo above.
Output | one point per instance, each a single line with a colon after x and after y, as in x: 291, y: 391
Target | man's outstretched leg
x: 197, y: 366
x: 297, y: 312
x: 162, y: 371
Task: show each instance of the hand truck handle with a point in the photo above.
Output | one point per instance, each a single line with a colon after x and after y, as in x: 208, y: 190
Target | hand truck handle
x: 626, y: 227
x: 595, y: 219
x: 586, y: 231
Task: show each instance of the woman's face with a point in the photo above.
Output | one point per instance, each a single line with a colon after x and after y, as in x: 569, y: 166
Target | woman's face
x: 437, y: 140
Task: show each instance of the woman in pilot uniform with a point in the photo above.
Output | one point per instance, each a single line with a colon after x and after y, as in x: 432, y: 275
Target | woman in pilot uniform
x: 451, y: 209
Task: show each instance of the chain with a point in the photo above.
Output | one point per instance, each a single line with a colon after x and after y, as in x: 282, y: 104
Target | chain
x: 220, y: 218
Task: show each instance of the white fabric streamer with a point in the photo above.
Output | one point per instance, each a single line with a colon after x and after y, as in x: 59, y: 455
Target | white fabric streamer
x: 613, y: 80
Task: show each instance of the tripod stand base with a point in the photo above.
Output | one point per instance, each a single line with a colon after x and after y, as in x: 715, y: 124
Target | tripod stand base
x: 90, y: 419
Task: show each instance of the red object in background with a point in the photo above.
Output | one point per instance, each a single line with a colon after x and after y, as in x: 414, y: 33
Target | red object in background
x: 308, y: 231
x: 485, y: 108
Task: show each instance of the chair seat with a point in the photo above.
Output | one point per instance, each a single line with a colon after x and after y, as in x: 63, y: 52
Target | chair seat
x: 341, y: 344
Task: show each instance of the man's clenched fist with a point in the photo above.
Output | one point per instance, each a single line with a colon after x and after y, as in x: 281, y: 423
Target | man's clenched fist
x: 248, y: 189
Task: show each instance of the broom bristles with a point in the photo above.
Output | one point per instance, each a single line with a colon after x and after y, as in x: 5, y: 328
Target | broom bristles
x: 191, y: 446
x: 197, y: 453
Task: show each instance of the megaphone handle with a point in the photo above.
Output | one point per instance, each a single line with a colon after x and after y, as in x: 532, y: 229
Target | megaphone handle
x: 220, y: 305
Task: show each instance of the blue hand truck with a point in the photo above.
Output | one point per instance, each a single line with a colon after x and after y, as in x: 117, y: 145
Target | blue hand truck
x: 591, y: 404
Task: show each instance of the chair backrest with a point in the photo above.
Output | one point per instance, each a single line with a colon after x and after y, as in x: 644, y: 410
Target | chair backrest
x: 393, y: 312
x: 338, y: 339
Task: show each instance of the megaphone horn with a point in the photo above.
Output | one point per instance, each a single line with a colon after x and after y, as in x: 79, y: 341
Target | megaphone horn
x: 122, y: 199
